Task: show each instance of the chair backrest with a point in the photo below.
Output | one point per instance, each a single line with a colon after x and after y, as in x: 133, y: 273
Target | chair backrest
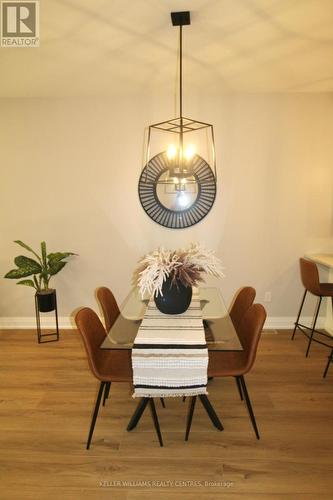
x: 242, y: 301
x: 109, y: 306
x: 310, y: 276
x: 93, y: 334
x: 249, y: 332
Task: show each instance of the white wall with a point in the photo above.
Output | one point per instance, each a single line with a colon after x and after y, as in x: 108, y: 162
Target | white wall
x: 69, y: 173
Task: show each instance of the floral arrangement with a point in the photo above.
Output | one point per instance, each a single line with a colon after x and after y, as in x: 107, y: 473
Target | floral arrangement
x: 184, y: 265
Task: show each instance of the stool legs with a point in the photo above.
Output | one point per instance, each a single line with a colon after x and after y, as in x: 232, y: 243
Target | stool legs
x: 313, y: 327
x: 330, y: 360
x: 299, y: 314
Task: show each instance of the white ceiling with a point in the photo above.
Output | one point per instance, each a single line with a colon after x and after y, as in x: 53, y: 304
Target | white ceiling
x: 108, y: 47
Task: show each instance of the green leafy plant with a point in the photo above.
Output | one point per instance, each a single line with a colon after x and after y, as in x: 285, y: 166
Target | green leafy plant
x: 41, y: 269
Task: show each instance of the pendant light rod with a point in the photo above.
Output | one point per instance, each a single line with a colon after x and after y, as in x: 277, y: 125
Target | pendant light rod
x: 181, y: 137
x: 181, y: 19
x: 181, y: 71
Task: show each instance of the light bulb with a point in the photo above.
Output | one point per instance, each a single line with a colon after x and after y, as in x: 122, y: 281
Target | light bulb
x: 171, y: 152
x: 189, y: 152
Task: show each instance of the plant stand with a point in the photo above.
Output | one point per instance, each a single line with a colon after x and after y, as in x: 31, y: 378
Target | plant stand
x: 41, y: 335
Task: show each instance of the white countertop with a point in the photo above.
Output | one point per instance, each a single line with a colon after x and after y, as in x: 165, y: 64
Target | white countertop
x: 324, y: 259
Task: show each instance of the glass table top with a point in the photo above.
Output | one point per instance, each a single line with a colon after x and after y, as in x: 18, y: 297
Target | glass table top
x: 219, y: 330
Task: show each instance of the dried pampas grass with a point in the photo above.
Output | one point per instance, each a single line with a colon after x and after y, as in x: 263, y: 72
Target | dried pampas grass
x: 184, y: 266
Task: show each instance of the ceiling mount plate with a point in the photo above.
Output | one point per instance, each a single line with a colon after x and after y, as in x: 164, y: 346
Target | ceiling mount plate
x: 181, y: 18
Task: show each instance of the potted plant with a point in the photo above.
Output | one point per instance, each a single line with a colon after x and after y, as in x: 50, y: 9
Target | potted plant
x: 170, y: 275
x: 42, y: 269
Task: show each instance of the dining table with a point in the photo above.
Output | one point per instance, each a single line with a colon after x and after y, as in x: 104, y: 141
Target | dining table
x: 220, y: 334
x: 219, y: 329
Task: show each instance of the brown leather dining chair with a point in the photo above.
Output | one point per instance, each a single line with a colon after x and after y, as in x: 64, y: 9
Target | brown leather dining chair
x: 238, y: 363
x: 111, y: 312
x: 243, y: 299
x: 312, y: 284
x: 108, y: 305
x: 106, y: 365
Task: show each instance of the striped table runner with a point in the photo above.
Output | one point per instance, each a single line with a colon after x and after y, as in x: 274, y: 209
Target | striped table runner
x: 170, y: 355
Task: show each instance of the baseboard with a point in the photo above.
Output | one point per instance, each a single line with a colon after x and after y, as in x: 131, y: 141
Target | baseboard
x: 65, y: 322
x: 27, y: 323
x: 288, y: 323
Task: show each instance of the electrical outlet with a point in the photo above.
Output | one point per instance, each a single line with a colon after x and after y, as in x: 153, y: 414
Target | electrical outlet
x: 268, y: 297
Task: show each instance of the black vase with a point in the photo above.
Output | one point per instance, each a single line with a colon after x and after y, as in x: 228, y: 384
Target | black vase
x: 46, y: 300
x: 176, y: 298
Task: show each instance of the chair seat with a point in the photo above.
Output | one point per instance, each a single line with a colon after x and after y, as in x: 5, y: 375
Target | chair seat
x: 115, y: 366
x: 326, y: 289
x: 227, y: 363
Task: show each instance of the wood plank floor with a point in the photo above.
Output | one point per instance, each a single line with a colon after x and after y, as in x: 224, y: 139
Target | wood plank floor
x: 47, y: 394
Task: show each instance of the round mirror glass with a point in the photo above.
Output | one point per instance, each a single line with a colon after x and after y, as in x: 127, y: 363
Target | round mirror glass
x: 176, y: 199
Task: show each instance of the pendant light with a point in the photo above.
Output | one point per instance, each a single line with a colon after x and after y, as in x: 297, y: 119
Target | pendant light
x: 178, y: 156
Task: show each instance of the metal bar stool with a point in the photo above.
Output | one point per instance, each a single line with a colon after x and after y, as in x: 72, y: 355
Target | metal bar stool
x: 311, y: 283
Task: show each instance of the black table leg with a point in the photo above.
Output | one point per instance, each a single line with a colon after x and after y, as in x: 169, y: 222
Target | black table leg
x: 210, y: 411
x: 137, y: 414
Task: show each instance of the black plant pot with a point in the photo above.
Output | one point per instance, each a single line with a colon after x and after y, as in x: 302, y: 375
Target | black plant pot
x: 46, y: 300
x: 175, y: 299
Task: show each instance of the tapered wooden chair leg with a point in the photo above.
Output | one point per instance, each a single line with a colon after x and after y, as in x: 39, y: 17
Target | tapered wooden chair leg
x: 93, y: 421
x: 162, y: 402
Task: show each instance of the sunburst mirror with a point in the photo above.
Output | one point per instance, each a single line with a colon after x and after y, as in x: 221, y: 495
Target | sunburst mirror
x: 172, y: 207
